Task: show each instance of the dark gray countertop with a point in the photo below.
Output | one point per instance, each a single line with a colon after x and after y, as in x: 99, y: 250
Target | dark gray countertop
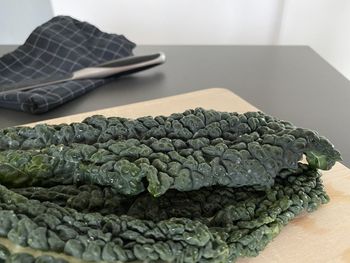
x: 290, y: 82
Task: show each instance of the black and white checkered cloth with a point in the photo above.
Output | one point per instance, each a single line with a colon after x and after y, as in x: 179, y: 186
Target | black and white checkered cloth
x: 61, y: 45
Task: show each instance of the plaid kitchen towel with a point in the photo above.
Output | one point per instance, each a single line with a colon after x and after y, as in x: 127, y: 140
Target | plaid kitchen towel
x: 61, y: 45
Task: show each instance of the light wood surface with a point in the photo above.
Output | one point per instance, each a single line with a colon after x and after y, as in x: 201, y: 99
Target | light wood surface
x: 322, y: 236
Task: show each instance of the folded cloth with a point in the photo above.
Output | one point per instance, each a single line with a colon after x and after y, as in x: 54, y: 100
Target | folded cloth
x: 61, y: 45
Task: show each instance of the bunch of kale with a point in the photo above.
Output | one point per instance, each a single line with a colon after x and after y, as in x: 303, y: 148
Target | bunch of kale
x: 198, y: 186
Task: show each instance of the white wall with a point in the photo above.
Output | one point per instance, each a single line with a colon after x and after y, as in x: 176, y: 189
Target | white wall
x: 18, y: 18
x: 181, y: 21
x: 322, y: 24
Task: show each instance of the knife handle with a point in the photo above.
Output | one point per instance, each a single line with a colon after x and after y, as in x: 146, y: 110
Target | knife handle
x: 120, y: 67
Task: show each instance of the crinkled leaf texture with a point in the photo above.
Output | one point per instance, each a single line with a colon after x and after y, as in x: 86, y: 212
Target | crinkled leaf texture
x: 197, y: 186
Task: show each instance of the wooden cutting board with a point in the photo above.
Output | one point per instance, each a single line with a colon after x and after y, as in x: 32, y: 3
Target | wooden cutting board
x: 322, y: 236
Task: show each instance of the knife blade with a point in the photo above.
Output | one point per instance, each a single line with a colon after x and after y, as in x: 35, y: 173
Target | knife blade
x: 117, y: 67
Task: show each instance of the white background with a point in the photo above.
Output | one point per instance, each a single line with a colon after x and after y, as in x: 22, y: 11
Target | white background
x: 322, y: 24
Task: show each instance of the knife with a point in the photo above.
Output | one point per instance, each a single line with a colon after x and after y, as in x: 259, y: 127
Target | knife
x: 117, y: 67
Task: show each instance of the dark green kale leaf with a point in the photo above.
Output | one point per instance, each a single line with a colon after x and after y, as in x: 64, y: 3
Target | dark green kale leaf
x: 216, y: 224
x: 192, y: 124
x: 131, y: 166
